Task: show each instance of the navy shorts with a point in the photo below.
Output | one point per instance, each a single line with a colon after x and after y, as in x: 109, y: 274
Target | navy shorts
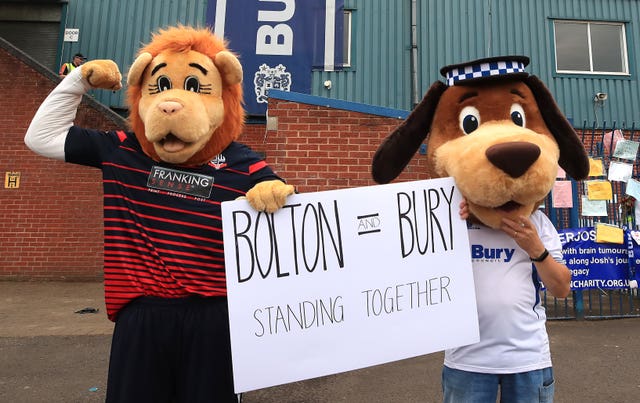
x: 171, y: 350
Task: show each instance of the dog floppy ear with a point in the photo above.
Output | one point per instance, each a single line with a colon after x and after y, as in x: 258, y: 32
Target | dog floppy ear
x: 573, y: 156
x: 400, y: 146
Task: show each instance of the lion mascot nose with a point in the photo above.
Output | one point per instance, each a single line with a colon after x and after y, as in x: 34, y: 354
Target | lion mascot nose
x: 170, y: 107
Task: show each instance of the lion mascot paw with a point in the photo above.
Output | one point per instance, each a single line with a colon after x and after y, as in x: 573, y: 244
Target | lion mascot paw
x: 102, y: 74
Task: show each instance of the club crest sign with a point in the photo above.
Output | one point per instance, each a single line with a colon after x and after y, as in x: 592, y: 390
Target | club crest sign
x: 280, y: 43
x: 267, y: 78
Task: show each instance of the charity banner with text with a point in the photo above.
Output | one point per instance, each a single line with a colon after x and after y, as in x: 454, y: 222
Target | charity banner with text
x: 593, y: 264
x: 345, y: 279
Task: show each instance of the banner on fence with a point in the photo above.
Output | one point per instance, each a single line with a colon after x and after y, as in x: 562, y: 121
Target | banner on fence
x: 346, y: 279
x: 633, y: 240
x: 594, y: 264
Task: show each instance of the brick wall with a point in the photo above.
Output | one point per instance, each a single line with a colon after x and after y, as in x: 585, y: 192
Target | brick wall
x: 51, y: 226
x: 319, y: 148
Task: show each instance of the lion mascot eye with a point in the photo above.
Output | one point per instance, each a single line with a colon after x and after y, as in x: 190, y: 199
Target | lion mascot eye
x: 164, y: 83
x: 192, y: 83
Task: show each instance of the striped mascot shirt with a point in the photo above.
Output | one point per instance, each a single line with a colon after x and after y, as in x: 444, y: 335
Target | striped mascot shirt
x: 162, y: 222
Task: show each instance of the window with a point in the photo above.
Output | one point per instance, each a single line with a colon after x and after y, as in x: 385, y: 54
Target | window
x: 346, y: 39
x: 332, y: 50
x: 585, y: 47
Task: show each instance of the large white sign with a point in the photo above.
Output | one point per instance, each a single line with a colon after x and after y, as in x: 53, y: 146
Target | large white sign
x: 340, y: 280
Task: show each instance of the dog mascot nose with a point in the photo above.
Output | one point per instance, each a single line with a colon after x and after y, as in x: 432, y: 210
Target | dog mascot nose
x: 514, y: 158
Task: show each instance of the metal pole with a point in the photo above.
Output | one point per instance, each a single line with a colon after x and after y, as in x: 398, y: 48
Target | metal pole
x: 414, y: 54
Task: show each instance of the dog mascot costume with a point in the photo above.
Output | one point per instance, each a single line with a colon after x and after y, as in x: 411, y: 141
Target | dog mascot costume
x: 498, y: 132
x: 164, y: 183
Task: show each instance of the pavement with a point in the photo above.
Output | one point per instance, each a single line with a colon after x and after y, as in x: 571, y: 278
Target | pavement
x: 51, y: 352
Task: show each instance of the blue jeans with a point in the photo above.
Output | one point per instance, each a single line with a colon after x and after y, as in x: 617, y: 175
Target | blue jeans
x: 473, y: 387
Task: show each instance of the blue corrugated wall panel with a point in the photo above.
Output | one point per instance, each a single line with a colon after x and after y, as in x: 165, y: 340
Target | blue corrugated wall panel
x: 380, y: 73
x: 115, y: 29
x: 380, y: 57
x: 454, y: 31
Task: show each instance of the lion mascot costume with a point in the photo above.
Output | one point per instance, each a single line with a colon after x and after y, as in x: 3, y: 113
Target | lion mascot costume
x: 164, y: 182
x: 498, y: 132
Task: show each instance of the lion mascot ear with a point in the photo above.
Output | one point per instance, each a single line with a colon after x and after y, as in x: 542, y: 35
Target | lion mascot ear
x: 230, y: 68
x: 137, y: 68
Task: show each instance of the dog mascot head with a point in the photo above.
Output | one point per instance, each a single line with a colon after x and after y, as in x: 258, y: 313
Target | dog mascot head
x: 185, y: 96
x: 496, y: 130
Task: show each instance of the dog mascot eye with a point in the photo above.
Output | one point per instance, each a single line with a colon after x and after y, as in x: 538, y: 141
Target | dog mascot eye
x: 469, y: 119
x: 517, y: 115
x: 164, y: 83
x: 192, y: 83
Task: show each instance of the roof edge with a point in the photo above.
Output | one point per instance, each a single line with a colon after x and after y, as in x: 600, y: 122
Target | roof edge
x: 338, y: 104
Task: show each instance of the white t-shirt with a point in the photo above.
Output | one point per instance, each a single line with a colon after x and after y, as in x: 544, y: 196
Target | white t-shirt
x: 513, y: 336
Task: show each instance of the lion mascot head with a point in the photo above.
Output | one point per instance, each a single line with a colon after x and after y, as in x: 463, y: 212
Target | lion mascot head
x: 185, y: 96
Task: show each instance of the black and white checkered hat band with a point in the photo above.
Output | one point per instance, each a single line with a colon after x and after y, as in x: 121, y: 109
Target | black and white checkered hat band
x: 483, y: 70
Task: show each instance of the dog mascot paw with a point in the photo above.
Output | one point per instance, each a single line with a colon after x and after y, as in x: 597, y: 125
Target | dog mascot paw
x: 164, y: 182
x: 498, y: 132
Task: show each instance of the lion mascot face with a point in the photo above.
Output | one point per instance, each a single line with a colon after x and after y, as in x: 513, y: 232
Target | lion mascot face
x: 493, y: 128
x: 185, y: 96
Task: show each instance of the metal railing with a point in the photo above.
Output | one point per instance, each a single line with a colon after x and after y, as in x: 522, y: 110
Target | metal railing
x: 597, y: 303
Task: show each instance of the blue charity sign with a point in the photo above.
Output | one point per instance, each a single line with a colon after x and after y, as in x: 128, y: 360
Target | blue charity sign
x: 593, y: 264
x: 279, y: 42
x: 633, y: 241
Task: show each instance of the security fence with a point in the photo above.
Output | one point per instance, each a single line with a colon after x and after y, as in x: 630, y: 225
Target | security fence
x: 615, y: 168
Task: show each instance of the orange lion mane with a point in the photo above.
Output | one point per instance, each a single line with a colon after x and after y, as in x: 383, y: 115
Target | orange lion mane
x: 182, y: 39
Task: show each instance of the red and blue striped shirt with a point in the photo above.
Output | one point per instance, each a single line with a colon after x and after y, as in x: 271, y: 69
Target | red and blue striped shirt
x: 162, y: 222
